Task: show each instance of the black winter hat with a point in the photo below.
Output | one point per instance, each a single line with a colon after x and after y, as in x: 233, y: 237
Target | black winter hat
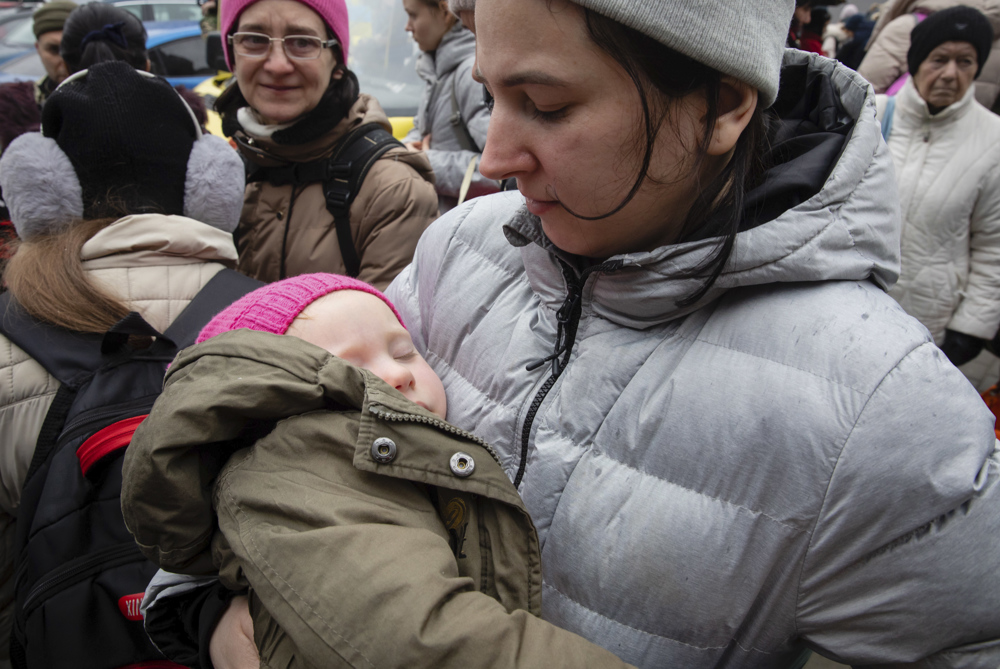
x: 128, y: 137
x: 955, y: 24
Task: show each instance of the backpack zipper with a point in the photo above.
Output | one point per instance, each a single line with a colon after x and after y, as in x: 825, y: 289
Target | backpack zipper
x: 568, y: 318
x: 106, y: 441
x: 386, y: 414
x: 78, y: 570
x: 84, y: 422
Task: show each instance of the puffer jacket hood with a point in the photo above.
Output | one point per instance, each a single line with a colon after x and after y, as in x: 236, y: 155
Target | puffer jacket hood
x: 726, y: 486
x: 841, y: 223
x: 277, y: 379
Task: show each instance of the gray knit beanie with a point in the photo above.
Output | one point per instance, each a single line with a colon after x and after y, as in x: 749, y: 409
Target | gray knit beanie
x: 744, y: 39
x: 462, y: 5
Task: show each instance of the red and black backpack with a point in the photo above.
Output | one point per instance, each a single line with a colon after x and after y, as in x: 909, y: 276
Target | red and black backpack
x: 79, y: 577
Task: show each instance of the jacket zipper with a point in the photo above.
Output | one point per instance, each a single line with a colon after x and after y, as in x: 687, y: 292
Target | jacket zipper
x: 386, y: 414
x: 79, y: 569
x: 568, y: 319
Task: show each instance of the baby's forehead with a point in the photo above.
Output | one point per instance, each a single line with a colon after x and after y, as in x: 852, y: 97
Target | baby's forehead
x: 350, y: 312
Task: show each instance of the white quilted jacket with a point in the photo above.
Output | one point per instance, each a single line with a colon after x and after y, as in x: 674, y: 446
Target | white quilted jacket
x: 948, y: 171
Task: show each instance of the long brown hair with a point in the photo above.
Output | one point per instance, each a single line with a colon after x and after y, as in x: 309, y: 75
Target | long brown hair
x: 47, y: 279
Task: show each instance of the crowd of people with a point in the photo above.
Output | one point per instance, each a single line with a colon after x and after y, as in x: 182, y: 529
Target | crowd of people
x: 316, y: 397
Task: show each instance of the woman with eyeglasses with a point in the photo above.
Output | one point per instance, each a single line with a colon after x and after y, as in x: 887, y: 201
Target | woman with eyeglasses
x: 298, y: 117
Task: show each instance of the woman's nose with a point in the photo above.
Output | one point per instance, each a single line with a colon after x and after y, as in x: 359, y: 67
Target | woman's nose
x: 506, y: 153
x: 277, y: 60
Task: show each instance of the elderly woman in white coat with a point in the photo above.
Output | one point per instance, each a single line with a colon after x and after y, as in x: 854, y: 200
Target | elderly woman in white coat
x: 946, y: 149
x: 884, y: 63
x: 451, y: 122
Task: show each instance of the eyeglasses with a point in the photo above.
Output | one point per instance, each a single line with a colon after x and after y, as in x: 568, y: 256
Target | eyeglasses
x: 297, y: 47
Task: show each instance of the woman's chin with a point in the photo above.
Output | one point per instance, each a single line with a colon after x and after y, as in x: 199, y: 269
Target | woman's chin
x: 279, y: 114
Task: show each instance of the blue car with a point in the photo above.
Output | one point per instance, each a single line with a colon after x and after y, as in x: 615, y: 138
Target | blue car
x: 176, y: 52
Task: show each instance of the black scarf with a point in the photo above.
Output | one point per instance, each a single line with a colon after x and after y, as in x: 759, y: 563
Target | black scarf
x: 333, y: 107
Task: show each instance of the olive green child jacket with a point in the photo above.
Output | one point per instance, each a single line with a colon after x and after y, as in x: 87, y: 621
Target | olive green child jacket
x: 371, y: 532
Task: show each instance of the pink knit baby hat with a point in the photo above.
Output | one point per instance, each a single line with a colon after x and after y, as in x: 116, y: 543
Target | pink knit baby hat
x: 274, y: 307
x: 333, y: 13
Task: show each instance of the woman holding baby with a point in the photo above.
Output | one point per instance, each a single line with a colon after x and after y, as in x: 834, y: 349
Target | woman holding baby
x: 733, y: 445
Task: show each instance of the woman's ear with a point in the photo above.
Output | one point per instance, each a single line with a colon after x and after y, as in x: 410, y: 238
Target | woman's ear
x: 737, y: 102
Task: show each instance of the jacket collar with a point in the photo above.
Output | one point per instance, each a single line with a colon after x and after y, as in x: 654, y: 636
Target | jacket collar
x: 913, y: 105
x: 273, y: 377
x: 849, y: 230
x: 155, y: 239
x: 263, y: 150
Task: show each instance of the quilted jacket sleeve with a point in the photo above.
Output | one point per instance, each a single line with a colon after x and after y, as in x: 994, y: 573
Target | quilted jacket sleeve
x: 906, y: 538
x: 979, y: 312
x: 26, y: 391
x: 886, y: 58
x: 398, y: 212
x: 450, y: 166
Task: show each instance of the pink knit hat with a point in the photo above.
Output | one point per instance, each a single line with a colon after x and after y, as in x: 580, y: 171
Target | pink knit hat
x: 274, y: 307
x: 333, y: 13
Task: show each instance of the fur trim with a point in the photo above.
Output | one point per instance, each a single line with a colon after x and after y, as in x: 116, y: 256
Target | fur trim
x: 40, y: 186
x: 213, y: 190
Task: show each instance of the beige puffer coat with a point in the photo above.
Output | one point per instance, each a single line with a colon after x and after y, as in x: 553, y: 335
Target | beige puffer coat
x: 157, y: 264
x: 885, y: 61
x: 283, y: 234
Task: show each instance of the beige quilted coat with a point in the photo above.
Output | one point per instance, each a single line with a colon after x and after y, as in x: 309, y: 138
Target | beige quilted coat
x: 156, y: 264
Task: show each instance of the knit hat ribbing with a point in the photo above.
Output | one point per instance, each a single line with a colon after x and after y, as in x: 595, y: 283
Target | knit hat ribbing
x: 955, y: 24
x: 744, y: 39
x: 128, y: 136
x: 51, y: 16
x: 333, y: 13
x: 274, y: 307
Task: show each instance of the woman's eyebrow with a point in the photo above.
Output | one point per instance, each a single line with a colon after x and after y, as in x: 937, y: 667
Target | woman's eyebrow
x: 528, y: 78
x: 299, y: 30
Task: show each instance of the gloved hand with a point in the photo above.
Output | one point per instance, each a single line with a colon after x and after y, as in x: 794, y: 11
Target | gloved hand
x: 961, y: 348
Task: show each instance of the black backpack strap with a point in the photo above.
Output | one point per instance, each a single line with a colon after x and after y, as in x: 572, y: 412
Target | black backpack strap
x: 52, y: 426
x: 346, y: 171
x: 71, y: 357
x: 341, y: 175
x: 222, y: 290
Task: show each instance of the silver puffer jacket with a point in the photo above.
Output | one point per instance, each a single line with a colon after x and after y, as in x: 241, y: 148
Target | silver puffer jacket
x: 790, y: 463
x: 447, y: 70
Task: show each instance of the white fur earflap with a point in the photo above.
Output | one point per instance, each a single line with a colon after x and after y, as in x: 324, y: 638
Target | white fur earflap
x: 213, y: 189
x: 40, y: 186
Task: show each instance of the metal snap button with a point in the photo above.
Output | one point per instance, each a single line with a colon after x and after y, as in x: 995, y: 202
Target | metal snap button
x: 384, y: 450
x: 462, y: 465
